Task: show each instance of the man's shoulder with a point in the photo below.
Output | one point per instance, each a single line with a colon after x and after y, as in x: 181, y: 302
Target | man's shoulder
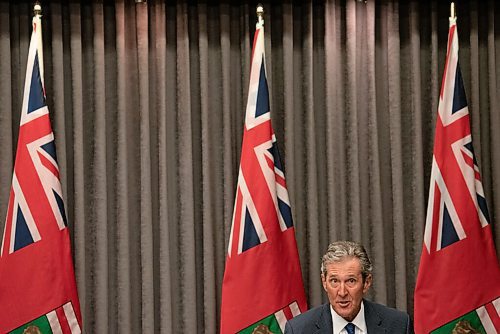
x: 308, y: 321
x: 311, y: 314
x: 385, y: 311
x: 395, y: 321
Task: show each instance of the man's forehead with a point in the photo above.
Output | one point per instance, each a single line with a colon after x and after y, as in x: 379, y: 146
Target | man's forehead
x: 334, y: 273
x: 347, y: 266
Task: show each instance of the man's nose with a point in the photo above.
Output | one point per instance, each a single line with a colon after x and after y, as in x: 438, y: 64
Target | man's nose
x: 342, y: 290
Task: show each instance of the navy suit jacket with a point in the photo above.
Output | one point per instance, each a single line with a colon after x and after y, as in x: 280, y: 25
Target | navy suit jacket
x: 379, y: 319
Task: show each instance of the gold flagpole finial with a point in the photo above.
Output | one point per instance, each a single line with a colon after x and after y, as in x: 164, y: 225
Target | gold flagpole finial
x: 452, y: 10
x: 37, y: 9
x: 260, y: 14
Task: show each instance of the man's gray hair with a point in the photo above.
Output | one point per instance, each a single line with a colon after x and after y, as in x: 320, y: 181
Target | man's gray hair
x: 339, y: 250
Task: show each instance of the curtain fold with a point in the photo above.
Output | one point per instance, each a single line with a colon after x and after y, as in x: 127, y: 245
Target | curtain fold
x: 147, y: 104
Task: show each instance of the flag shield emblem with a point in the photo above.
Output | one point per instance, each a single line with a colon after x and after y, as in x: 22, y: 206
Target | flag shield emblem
x: 485, y: 319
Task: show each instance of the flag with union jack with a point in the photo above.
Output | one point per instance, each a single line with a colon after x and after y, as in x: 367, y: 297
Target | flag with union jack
x: 459, y: 274
x: 37, y: 281
x: 262, y: 285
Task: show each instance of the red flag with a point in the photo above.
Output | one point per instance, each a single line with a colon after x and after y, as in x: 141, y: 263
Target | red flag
x: 262, y: 282
x: 37, y: 280
x: 459, y: 270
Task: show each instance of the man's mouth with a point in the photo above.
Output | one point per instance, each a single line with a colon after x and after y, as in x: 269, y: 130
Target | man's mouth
x: 344, y: 303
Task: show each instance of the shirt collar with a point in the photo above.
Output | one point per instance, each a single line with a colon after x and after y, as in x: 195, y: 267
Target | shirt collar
x: 339, y: 322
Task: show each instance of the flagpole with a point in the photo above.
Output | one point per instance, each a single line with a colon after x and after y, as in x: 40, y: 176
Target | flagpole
x: 260, y: 15
x: 452, y: 11
x: 37, y: 24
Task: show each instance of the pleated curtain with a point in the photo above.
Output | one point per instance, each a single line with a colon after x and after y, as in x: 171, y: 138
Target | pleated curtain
x: 147, y: 104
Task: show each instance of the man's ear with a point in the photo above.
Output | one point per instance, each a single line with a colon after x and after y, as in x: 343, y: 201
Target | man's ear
x: 367, y: 284
x: 323, y: 280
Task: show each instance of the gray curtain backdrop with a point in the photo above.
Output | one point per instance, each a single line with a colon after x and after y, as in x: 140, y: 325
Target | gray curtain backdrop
x: 147, y: 104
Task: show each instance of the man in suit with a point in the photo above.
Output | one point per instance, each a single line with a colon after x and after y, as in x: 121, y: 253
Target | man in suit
x: 346, y: 274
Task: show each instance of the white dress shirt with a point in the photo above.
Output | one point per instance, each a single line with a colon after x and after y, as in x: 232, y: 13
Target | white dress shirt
x: 359, y: 322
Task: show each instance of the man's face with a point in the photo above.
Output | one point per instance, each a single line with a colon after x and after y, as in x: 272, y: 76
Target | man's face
x: 345, y: 286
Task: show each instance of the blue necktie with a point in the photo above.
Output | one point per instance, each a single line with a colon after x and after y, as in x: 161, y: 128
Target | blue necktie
x: 349, y: 328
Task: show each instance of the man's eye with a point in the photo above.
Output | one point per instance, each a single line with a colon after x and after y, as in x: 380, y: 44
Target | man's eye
x: 351, y: 281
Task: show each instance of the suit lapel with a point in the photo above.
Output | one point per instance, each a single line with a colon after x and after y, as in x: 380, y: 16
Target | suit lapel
x: 373, y: 319
x: 324, y: 322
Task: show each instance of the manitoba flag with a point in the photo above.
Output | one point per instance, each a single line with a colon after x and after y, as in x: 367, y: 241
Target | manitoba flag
x: 262, y: 285
x: 458, y: 283
x: 37, y: 281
